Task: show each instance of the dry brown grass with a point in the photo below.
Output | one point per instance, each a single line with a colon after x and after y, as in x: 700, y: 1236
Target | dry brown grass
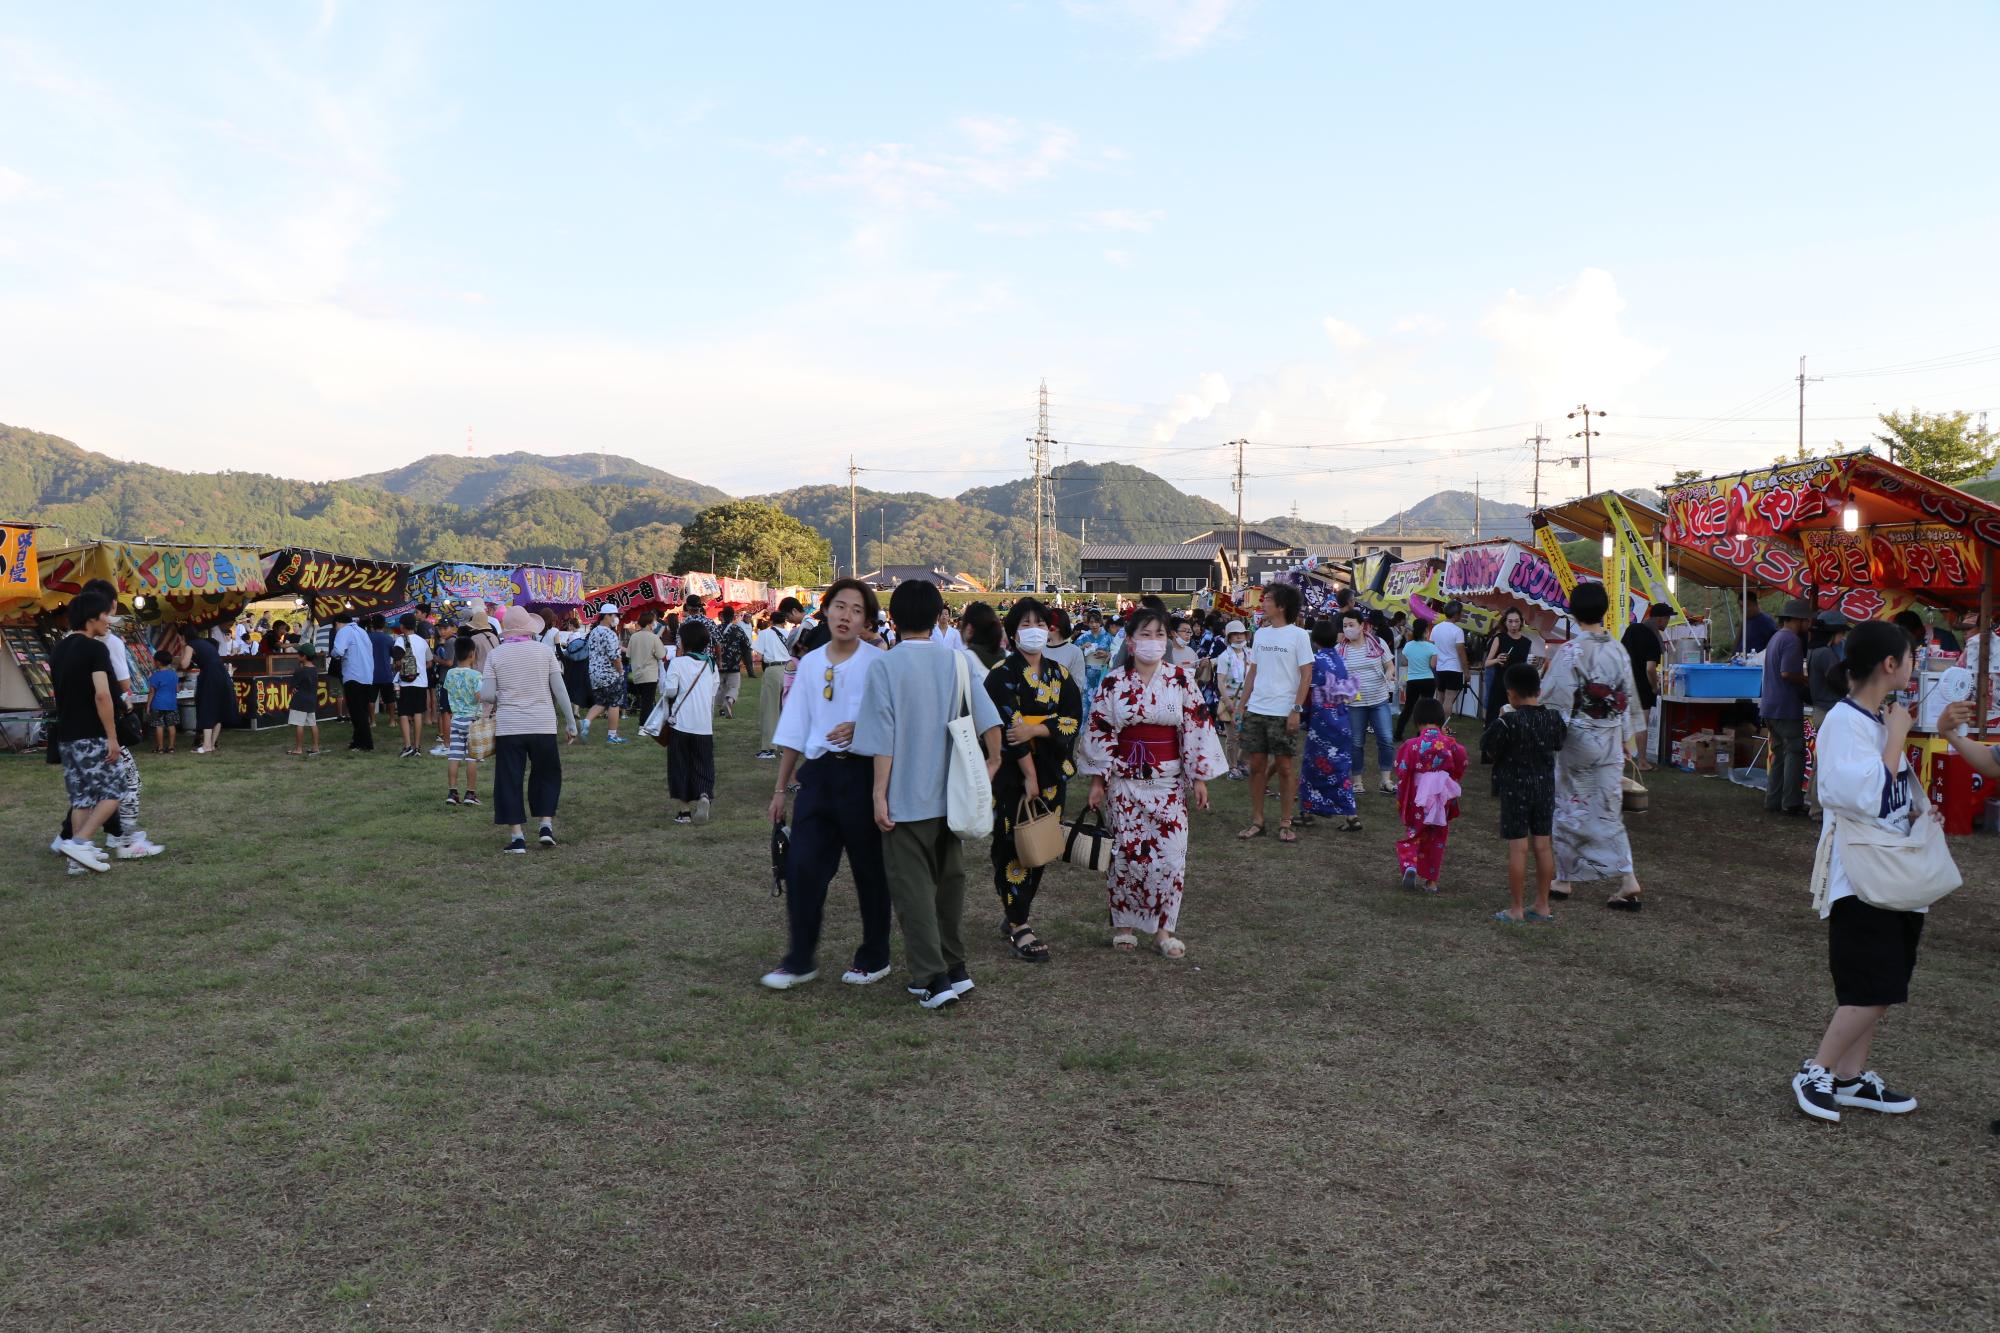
x: 333, y: 1062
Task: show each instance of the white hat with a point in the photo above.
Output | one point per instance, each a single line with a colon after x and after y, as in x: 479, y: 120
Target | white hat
x: 608, y: 609
x: 1234, y: 627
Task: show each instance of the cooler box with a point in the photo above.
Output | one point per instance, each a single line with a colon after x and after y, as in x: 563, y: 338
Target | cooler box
x: 1715, y: 680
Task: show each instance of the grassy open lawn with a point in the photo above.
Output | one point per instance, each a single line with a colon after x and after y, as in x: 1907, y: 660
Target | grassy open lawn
x: 334, y: 1063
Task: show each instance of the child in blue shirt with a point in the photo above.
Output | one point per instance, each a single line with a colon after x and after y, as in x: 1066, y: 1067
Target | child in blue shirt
x: 165, y: 687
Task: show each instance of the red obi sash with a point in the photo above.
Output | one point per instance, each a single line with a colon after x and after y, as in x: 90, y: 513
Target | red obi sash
x: 1147, y: 745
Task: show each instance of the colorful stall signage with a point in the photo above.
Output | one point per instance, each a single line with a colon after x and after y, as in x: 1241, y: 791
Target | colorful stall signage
x: 1921, y: 557
x: 331, y: 583
x: 157, y: 583
x: 661, y: 592
x: 20, y: 571
x: 1503, y: 569
x: 464, y: 583
x: 538, y: 585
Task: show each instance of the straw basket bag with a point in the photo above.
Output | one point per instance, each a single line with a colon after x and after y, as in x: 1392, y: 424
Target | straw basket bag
x: 1636, y: 795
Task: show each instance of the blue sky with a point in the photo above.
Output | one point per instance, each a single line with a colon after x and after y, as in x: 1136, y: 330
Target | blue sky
x: 739, y: 242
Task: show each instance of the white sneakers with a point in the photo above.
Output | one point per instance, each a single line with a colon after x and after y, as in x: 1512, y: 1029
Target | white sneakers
x: 86, y: 854
x: 854, y: 976
x: 134, y: 846
x: 780, y: 979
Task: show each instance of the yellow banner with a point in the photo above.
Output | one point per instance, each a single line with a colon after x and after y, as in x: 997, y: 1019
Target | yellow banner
x: 20, y: 570
x: 1545, y: 537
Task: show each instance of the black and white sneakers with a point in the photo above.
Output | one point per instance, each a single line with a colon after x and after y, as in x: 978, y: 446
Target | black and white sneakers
x: 960, y: 980
x: 516, y: 846
x: 935, y: 993
x: 1821, y: 1097
x: 1868, y: 1093
x: 1813, y: 1087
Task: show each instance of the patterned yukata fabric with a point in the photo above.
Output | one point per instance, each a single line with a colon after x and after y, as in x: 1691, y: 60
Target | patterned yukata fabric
x: 1421, y: 848
x: 1048, y: 693
x: 1589, y: 833
x: 1148, y: 804
x: 1326, y: 778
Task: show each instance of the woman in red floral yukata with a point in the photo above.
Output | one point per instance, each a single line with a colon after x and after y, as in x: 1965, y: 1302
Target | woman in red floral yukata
x: 1147, y: 742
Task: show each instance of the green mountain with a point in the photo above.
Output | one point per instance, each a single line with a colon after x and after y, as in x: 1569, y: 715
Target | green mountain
x: 612, y: 517
x: 1107, y: 502
x: 911, y: 528
x: 474, y: 483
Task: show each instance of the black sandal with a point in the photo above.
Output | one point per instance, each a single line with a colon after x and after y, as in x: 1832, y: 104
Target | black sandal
x: 1623, y: 904
x: 1032, y: 952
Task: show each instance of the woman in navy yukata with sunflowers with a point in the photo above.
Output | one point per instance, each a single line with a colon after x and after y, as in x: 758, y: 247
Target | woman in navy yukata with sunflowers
x: 1041, y: 711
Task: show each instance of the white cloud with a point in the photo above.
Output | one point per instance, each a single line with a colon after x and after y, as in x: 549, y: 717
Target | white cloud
x: 1122, y: 219
x: 1568, y: 346
x: 1177, y: 27
x: 1424, y: 326
x: 1345, y: 336
x: 1210, y: 392
x: 1118, y: 258
x: 993, y: 157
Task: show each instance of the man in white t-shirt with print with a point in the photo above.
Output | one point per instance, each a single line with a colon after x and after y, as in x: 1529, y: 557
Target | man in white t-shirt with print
x: 1281, y: 657
x: 1449, y: 640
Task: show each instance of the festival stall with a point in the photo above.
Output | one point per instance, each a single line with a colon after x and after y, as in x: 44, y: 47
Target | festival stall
x: 539, y: 588
x: 1697, y: 699
x: 324, y: 584
x: 165, y: 592
x: 1867, y: 537
x: 24, y: 675
x: 661, y: 593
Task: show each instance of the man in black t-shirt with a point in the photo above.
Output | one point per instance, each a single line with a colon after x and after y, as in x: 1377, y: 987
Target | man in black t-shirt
x: 97, y: 771
x: 1647, y: 649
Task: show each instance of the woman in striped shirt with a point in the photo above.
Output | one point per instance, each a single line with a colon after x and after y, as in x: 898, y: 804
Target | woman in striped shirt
x: 1365, y: 649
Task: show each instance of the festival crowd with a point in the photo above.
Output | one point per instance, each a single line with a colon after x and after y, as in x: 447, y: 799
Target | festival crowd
x: 897, y: 734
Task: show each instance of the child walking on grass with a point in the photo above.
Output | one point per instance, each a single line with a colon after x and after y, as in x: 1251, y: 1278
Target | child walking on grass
x: 164, y: 685
x: 688, y: 691
x: 1429, y: 766
x: 1522, y: 744
x: 304, y: 712
x: 461, y: 692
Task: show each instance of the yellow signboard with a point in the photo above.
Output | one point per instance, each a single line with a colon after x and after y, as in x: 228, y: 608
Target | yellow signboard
x: 20, y: 571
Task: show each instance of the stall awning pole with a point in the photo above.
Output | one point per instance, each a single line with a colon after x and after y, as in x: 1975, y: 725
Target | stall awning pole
x: 1982, y: 688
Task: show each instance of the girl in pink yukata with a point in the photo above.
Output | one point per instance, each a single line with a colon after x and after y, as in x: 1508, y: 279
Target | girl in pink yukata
x: 1147, y: 747
x: 1429, y: 767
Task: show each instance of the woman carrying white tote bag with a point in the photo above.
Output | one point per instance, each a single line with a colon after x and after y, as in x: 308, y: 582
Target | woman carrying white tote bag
x: 1881, y: 862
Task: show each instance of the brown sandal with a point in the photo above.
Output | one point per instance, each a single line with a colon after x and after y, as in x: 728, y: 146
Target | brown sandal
x: 1254, y: 831
x: 1286, y: 833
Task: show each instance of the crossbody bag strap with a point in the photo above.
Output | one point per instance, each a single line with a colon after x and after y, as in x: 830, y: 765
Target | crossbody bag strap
x: 963, y: 706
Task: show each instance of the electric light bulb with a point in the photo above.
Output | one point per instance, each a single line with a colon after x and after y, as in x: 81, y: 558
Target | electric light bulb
x: 1850, y: 518
x: 1610, y: 546
x: 1673, y: 582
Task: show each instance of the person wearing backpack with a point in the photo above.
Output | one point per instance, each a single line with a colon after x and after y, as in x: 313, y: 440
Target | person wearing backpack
x: 1865, y: 787
x: 413, y: 684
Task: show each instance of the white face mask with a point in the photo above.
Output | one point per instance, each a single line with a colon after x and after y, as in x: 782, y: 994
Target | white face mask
x: 1183, y: 638
x: 1031, y: 638
x: 1236, y: 645
x: 1351, y: 630
x: 1149, y: 650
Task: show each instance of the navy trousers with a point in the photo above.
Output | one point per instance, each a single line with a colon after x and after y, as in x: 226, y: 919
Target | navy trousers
x: 835, y: 812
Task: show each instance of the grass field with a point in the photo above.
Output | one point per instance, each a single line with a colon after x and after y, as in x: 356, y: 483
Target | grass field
x: 334, y: 1063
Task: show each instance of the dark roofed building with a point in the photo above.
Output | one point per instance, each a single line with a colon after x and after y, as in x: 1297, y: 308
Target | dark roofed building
x: 1183, y: 567
x: 886, y: 578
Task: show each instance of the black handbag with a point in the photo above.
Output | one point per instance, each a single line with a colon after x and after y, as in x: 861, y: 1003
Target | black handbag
x: 1089, y: 842
x: 130, y: 729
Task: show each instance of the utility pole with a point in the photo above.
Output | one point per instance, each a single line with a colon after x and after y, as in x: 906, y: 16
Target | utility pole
x: 1583, y: 410
x: 1538, y: 440
x: 1039, y: 455
x: 1239, y: 508
x: 1803, y: 381
x: 853, y: 522
x: 1475, y: 509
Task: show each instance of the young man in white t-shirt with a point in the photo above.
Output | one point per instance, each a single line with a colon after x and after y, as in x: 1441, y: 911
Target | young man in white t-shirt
x: 1449, y: 640
x: 412, y: 692
x: 1281, y: 658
